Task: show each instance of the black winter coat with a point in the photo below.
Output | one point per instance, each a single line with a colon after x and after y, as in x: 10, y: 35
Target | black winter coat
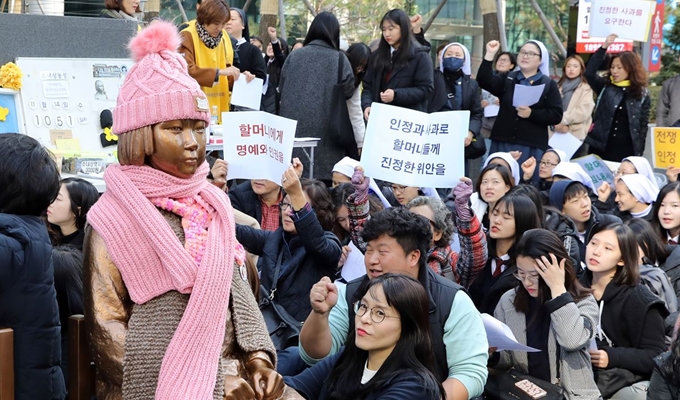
x: 486, y: 291
x: 28, y: 305
x: 661, y: 386
x: 307, y: 257
x: 633, y: 320
x: 271, y: 98
x: 472, y: 99
x: 412, y: 84
x: 248, y: 202
x: 567, y: 231
x: 509, y: 127
x: 251, y: 60
x: 638, y: 109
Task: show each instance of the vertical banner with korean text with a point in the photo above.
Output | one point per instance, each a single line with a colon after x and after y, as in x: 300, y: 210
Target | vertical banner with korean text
x: 257, y: 145
x: 414, y: 148
x: 666, y: 147
x: 630, y: 19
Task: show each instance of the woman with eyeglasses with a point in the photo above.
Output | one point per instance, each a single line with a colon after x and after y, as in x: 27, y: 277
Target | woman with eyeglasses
x: 522, y: 127
x: 629, y: 331
x: 551, y: 311
x: 551, y: 158
x: 389, y: 354
x: 303, y: 250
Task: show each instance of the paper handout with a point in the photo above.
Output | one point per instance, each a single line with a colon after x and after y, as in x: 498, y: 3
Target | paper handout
x: 354, y: 264
x: 565, y: 142
x: 500, y: 336
x: 491, y: 110
x: 247, y: 95
x: 527, y: 96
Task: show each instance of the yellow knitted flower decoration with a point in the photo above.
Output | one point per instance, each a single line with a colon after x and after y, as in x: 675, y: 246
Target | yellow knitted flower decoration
x: 110, y: 136
x: 4, y: 112
x: 10, y: 76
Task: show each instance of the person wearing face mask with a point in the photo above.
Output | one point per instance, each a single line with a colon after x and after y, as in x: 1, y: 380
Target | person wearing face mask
x: 454, y: 90
x: 622, y: 111
x: 522, y: 128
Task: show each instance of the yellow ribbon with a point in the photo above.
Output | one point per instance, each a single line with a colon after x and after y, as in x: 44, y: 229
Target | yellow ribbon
x: 110, y: 136
x: 4, y: 112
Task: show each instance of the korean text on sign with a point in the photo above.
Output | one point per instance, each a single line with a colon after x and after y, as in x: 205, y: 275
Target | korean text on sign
x: 597, y: 169
x: 414, y: 148
x: 666, y: 147
x: 257, y: 145
x: 630, y: 19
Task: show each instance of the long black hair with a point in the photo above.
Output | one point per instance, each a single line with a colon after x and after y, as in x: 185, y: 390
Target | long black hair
x: 654, y: 249
x: 68, y: 281
x: 670, y: 369
x: 82, y: 195
x: 382, y: 59
x: 324, y: 27
x: 537, y: 243
x: 358, y: 55
x: 523, y: 211
x: 413, y: 351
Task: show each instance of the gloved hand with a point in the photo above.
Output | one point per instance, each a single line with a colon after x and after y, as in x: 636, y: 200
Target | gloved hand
x: 264, y: 379
x: 461, y: 194
x: 237, y: 388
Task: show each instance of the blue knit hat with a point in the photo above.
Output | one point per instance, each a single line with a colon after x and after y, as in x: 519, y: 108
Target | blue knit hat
x: 557, y: 193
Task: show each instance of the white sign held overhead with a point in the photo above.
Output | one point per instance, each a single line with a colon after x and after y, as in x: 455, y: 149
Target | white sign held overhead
x: 589, y: 44
x: 630, y: 19
x: 414, y: 148
x: 247, y: 94
x: 257, y: 145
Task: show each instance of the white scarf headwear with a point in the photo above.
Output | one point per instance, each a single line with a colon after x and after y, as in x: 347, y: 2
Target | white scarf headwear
x: 466, y: 63
x: 514, y: 166
x: 574, y: 172
x: 641, y: 188
x: 346, y: 167
x: 545, y: 58
x: 560, y: 154
x: 643, y: 168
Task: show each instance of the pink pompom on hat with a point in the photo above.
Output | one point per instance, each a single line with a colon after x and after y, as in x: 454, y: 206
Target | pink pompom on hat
x: 158, y: 87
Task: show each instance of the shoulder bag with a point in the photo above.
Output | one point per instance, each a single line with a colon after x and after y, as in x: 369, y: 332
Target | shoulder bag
x: 340, y: 125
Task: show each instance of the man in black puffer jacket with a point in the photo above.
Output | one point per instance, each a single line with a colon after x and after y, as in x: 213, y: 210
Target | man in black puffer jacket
x: 29, y: 182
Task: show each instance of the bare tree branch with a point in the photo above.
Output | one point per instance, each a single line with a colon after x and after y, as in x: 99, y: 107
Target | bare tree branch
x: 245, y: 6
x: 309, y: 7
x: 548, y: 27
x: 434, y: 15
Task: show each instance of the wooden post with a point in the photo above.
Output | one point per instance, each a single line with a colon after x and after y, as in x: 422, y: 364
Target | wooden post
x: 6, y: 364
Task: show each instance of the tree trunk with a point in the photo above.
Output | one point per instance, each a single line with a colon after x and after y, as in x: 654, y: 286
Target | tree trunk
x: 548, y: 27
x: 269, y: 9
x: 490, y: 20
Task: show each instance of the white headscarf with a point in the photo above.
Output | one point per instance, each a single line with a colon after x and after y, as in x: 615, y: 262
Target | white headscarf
x: 574, y: 172
x: 346, y: 167
x: 560, y: 154
x: 641, y: 188
x: 514, y: 166
x: 643, y: 168
x: 466, y: 63
x: 545, y: 58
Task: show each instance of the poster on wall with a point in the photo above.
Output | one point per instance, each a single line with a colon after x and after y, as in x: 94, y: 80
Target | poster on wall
x: 68, y: 95
x: 587, y: 44
x: 11, y: 118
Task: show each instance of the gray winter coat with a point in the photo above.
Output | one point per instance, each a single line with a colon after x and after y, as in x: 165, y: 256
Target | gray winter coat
x: 668, y: 108
x: 306, y: 86
x: 572, y: 325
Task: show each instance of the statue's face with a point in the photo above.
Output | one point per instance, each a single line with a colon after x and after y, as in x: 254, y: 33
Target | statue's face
x: 179, y: 147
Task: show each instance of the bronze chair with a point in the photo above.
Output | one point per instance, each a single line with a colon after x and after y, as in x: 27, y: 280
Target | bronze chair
x: 80, y: 365
x: 6, y: 364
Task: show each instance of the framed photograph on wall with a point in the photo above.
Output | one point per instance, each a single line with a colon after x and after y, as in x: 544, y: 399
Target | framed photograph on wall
x: 11, y: 112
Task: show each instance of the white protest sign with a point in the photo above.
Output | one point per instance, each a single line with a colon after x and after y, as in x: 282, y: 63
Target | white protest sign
x: 630, y: 19
x: 589, y: 44
x: 414, y: 148
x: 257, y: 145
x: 247, y: 94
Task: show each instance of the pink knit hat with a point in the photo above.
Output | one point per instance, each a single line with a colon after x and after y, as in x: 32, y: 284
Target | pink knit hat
x: 158, y: 87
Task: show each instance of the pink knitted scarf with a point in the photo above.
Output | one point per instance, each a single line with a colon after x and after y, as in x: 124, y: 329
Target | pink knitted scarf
x: 152, y: 261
